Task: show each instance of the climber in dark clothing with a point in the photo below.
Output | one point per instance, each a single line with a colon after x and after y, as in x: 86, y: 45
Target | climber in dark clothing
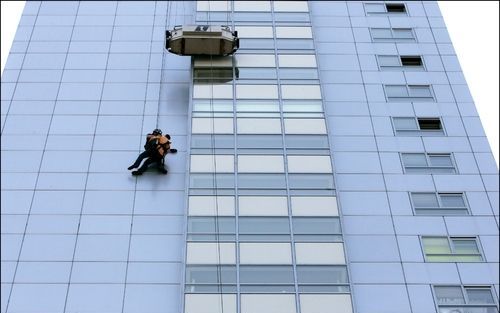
x: 156, y: 147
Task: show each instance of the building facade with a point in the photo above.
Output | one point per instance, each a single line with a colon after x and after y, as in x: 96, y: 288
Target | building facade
x: 335, y: 164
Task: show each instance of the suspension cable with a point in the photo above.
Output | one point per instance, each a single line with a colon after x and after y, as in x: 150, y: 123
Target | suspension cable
x: 163, y: 63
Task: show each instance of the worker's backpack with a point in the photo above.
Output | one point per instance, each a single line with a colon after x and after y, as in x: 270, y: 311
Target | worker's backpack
x: 152, y: 145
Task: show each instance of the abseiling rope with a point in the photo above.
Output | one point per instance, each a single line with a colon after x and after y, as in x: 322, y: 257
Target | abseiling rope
x: 163, y: 63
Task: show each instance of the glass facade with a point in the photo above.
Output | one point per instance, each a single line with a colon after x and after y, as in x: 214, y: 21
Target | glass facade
x: 334, y: 163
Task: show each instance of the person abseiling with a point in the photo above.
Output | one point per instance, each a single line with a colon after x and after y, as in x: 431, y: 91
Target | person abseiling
x: 155, y: 150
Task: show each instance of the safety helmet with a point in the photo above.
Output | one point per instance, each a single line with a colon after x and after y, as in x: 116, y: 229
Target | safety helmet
x: 157, y: 132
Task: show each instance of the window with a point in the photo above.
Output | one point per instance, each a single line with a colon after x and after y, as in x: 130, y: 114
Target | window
x: 451, y: 249
x: 262, y: 206
x: 212, y: 141
x: 417, y: 126
x: 439, y: 204
x: 322, y: 278
x: 266, y: 279
x: 462, y: 299
x: 212, y: 163
x: 264, y: 229
x: 314, y: 206
x: 309, y: 164
x: 254, y: 31
x: 259, y: 126
x: 311, y: 181
x: 208, y: 91
x: 212, y: 125
x: 261, y: 181
x: 211, y: 181
x: 314, y: 303
x: 290, y: 6
x: 211, y: 253
x: 392, y: 35
x: 319, y: 253
x: 300, y: 92
x: 252, y: 6
x: 290, y: 60
x: 405, y: 93
x: 211, y: 205
x: 316, y: 229
x: 211, y: 229
x: 260, y: 164
x: 209, y: 278
x: 218, y: 303
x: 293, y: 32
x: 268, y: 303
x: 294, y: 44
x: 384, y: 8
x: 306, y: 142
x: 395, y: 62
x: 305, y: 126
x: 256, y: 92
x: 428, y: 163
x: 265, y: 253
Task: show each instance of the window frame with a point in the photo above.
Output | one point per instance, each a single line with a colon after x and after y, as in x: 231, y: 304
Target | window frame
x: 452, y: 249
x: 418, y: 131
x: 385, y: 12
x: 394, y: 37
x: 409, y: 97
x: 402, y: 67
x: 465, y: 297
x: 429, y: 166
x: 440, y: 206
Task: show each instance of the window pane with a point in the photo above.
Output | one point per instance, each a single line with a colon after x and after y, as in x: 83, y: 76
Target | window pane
x: 381, y: 33
x: 403, y: 33
x: 304, y: 60
x: 260, y: 141
x: 440, y: 160
x: 262, y: 206
x: 250, y: 17
x: 411, y: 61
x: 256, y: 73
x: 425, y: 200
x: 223, y: 225
x: 212, y: 163
x: 388, y: 60
x: 453, y: 201
x: 212, y: 106
x: 465, y: 246
x: 306, y: 142
x: 255, y: 31
x: 256, y: 44
x: 302, y: 106
x: 260, y: 164
x: 265, y: 253
x: 210, y: 274
x: 297, y: 73
x: 396, y: 91
x: 310, y: 181
x: 293, y: 32
x: 395, y: 7
x: 436, y: 246
x: 252, y: 6
x: 258, y: 181
x: 449, y: 295
x: 215, y: 141
x: 407, y: 123
x: 264, y: 225
x: 257, y: 106
x: 375, y: 8
x: 294, y: 44
x: 414, y: 159
x: 479, y: 296
x: 266, y: 274
x: 291, y: 17
x: 207, y: 181
x: 430, y: 124
x: 420, y: 91
x: 322, y: 275
x: 309, y: 164
x: 308, y: 225
x: 256, y: 91
x: 290, y: 6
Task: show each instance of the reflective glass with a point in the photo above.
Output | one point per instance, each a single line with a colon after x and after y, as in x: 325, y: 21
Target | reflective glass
x: 213, y: 106
x: 257, y: 106
x: 223, y: 225
x: 264, y: 225
x: 302, y: 106
x: 375, y: 8
x: 405, y: 123
x: 381, y: 33
x: 212, y: 141
x: 436, y: 246
x: 292, y: 44
x: 291, y: 17
x: 452, y: 200
x: 396, y: 91
x: 258, y: 181
x: 414, y: 159
x: 252, y: 17
x: 247, y: 43
x: 465, y: 246
x: 316, y: 225
x: 424, y: 200
x: 310, y: 181
x: 298, y: 73
x: 256, y: 73
x: 266, y: 274
x: 208, y: 181
x: 388, y: 60
x: 479, y: 296
x: 403, y: 33
x: 306, y: 142
x: 449, y: 295
x: 260, y: 141
x: 420, y: 91
x: 210, y: 274
x: 322, y: 275
x: 440, y: 160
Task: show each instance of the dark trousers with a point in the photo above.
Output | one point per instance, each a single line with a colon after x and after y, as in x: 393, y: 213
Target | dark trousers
x: 149, y: 160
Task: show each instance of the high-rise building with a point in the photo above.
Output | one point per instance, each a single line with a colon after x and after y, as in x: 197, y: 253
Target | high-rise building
x: 334, y: 164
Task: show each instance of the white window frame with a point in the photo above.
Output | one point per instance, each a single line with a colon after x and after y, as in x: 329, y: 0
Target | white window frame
x: 440, y: 206
x: 452, y: 249
x: 429, y: 167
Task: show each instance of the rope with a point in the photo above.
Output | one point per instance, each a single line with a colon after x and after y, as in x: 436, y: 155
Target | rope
x: 163, y: 64
x: 212, y: 139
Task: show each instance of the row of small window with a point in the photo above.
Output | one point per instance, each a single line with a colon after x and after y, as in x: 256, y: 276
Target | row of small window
x: 245, y: 74
x: 267, y: 303
x: 265, y: 253
x: 314, y: 142
x: 417, y: 126
x: 430, y: 203
x: 411, y: 93
x: 248, y: 206
x: 262, y: 181
x: 385, y: 8
x: 400, y: 62
x: 252, y: 6
x: 225, y: 163
x: 259, y: 61
x: 225, y: 91
x: 392, y: 35
x: 292, y: 126
x: 305, y: 229
x: 451, y: 249
x: 266, y: 279
x: 263, y: 18
x: 241, y: 106
x: 465, y: 299
x: 428, y: 163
